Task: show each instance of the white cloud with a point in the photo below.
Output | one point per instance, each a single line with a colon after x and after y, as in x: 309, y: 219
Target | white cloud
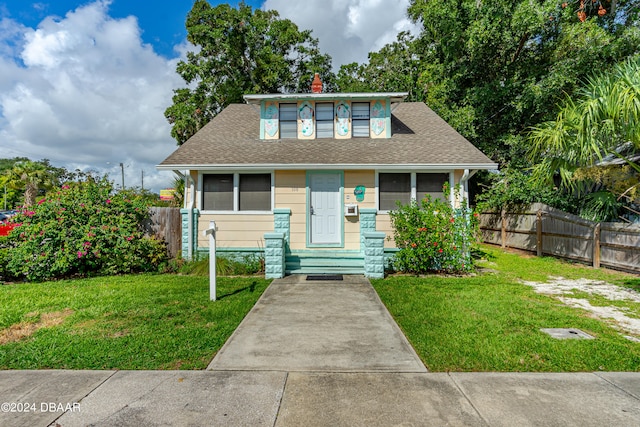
x: 87, y: 91
x: 348, y: 29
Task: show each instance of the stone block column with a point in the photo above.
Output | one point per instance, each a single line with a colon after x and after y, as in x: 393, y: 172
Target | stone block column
x: 274, y: 253
x: 367, y: 223
x: 374, y: 254
x: 185, y: 231
x: 282, y: 222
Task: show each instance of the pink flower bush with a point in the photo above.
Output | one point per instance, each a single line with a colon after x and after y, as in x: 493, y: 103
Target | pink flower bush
x: 99, y: 228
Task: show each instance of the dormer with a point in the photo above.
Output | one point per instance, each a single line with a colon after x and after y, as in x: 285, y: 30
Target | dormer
x: 318, y: 115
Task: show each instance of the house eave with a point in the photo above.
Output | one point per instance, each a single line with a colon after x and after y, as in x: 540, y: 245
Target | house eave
x: 301, y: 166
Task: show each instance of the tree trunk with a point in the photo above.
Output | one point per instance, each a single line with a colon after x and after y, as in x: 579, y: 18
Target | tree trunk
x: 30, y: 193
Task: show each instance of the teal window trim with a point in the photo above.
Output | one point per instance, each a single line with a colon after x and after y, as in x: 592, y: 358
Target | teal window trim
x: 307, y: 210
x: 262, y: 119
x: 388, y: 117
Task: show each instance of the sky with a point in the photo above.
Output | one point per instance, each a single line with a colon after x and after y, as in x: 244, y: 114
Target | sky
x: 85, y: 83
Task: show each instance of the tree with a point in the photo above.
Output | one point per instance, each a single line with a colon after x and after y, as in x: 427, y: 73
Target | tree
x: 240, y: 51
x: 31, y: 177
x: 494, y: 69
x: 10, y: 197
x: 603, y: 125
x: 392, y: 69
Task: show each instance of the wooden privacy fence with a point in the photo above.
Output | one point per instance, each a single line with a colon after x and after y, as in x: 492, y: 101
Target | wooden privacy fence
x: 166, y: 224
x: 548, y: 231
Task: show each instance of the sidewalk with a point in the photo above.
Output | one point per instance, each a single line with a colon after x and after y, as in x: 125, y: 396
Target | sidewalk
x: 317, y: 354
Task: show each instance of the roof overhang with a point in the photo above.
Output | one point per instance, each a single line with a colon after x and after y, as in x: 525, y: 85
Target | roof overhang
x: 266, y: 166
x: 393, y: 97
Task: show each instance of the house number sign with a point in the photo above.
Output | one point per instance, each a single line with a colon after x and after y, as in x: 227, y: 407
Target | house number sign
x: 359, y: 193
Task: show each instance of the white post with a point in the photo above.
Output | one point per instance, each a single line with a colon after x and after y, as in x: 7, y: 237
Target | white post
x: 211, y: 232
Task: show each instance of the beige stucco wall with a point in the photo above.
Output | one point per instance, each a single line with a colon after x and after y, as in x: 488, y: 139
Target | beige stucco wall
x: 352, y: 224
x: 291, y: 193
x: 242, y: 230
x: 236, y: 230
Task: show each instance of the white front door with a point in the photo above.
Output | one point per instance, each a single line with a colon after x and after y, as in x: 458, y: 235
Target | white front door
x: 325, y: 209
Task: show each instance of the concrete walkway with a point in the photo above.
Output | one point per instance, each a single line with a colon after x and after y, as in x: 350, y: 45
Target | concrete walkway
x: 329, y: 326
x: 317, y: 354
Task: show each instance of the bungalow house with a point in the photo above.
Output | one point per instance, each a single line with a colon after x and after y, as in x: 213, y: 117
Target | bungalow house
x: 308, y: 179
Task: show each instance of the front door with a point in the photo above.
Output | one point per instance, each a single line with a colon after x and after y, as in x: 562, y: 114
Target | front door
x: 325, y: 209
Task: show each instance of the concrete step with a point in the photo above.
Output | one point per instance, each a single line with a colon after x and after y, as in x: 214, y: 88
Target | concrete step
x: 316, y: 263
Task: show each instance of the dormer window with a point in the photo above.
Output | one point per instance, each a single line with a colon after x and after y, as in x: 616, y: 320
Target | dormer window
x: 324, y: 120
x: 288, y: 121
x: 325, y: 115
x: 360, y: 119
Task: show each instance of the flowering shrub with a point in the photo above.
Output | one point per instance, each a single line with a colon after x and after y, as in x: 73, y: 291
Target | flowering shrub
x: 5, y: 229
x: 433, y: 237
x: 84, y: 228
x: 4, y: 257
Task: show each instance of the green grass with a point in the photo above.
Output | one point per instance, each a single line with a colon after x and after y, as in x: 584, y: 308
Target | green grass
x: 487, y: 322
x: 491, y: 322
x: 123, y: 322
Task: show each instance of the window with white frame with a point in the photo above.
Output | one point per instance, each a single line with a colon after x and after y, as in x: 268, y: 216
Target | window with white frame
x: 431, y: 184
x: 288, y: 121
x: 393, y: 188
x: 324, y: 120
x: 255, y: 192
x: 236, y: 192
x: 217, y: 192
x: 403, y: 187
x: 360, y: 119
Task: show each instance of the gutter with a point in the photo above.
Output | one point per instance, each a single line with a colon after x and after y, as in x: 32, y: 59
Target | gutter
x: 331, y: 166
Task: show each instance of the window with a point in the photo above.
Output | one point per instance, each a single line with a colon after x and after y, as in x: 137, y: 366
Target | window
x: 430, y: 184
x: 360, y: 119
x: 217, y: 192
x: 255, y: 192
x: 403, y: 187
x: 324, y: 120
x: 236, y: 192
x: 393, y: 187
x: 288, y: 121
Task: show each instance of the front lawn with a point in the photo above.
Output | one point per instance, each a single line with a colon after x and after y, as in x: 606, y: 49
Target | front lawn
x: 121, y: 322
x: 491, y: 322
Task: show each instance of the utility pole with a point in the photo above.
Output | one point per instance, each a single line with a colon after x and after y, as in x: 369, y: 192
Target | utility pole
x: 122, y: 169
x: 142, y: 180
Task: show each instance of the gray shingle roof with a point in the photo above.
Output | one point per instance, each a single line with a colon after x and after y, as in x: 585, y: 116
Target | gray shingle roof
x: 420, y: 138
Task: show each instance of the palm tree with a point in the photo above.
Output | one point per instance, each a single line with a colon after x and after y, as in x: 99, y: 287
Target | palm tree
x: 179, y: 191
x: 30, y: 177
x: 588, y: 134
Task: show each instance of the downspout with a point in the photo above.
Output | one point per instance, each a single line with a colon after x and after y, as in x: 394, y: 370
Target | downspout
x: 189, y: 205
x: 466, y: 176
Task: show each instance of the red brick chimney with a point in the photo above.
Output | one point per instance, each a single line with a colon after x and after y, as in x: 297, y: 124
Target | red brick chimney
x: 316, y: 86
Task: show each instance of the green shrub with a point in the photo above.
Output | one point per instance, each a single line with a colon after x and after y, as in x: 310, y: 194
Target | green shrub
x: 433, y: 237
x: 225, y: 266
x: 83, y: 229
x: 513, y: 189
x: 4, y: 258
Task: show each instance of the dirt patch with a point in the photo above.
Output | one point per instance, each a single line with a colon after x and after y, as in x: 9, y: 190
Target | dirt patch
x: 562, y: 289
x: 25, y: 329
